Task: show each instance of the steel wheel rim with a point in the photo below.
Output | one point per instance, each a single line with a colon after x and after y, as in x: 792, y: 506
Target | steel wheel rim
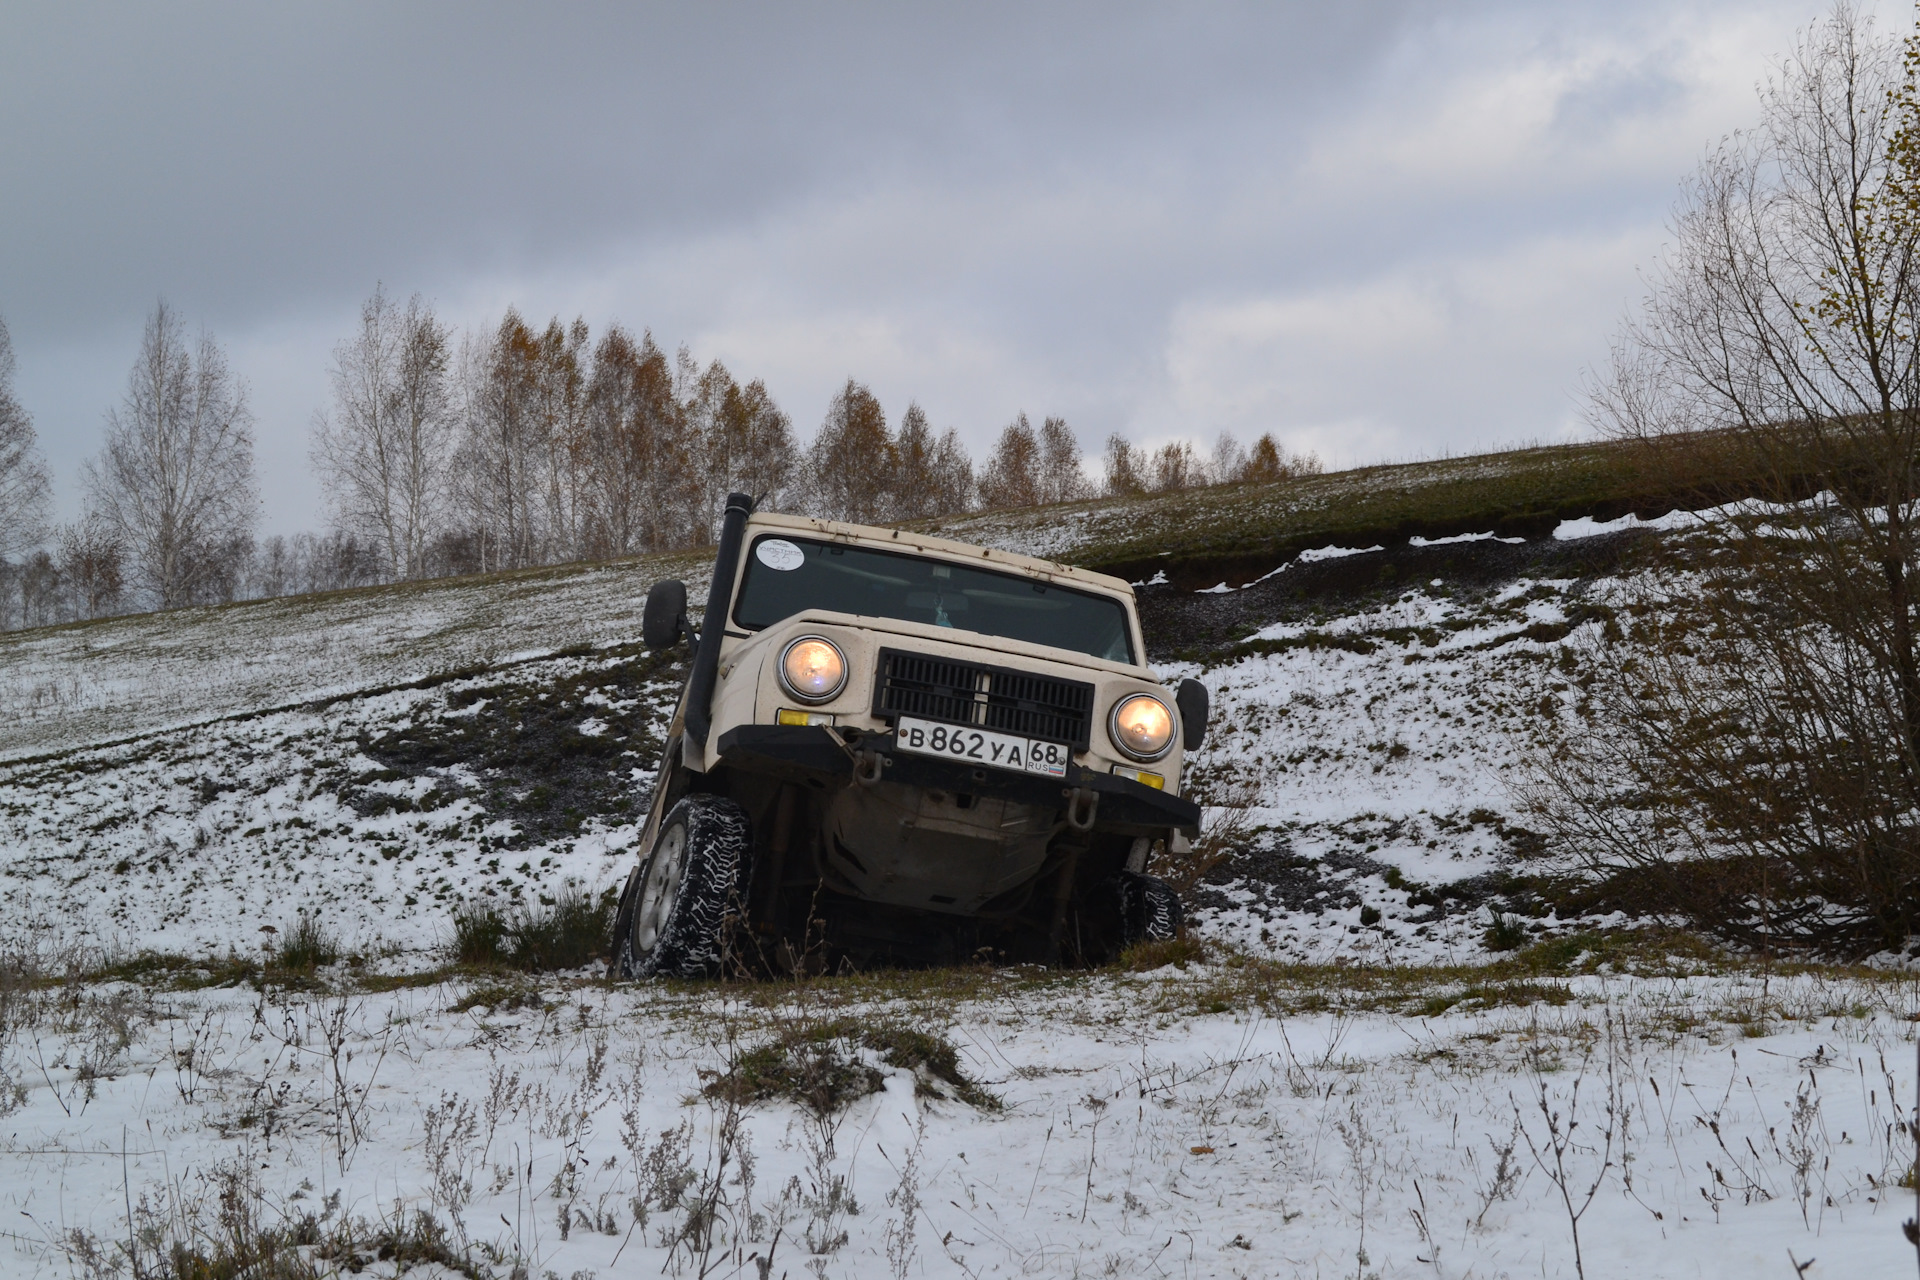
x: 662, y: 887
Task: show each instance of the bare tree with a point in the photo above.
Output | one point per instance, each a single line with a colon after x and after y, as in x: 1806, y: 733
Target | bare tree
x: 1060, y: 477
x: 383, y: 454
x: 1175, y: 466
x: 1228, y: 465
x: 1757, y: 759
x: 1012, y: 476
x: 560, y: 435
x: 174, y: 483
x: 25, y: 492
x: 90, y: 561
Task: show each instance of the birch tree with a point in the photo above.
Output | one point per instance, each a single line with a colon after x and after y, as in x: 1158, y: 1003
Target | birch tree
x: 25, y: 492
x: 383, y: 453
x: 174, y: 482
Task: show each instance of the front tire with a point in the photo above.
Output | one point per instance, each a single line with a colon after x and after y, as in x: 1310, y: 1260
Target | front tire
x: 1150, y: 910
x: 687, y: 896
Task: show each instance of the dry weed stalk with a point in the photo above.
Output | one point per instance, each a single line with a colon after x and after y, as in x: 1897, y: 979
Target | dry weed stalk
x: 1557, y: 1153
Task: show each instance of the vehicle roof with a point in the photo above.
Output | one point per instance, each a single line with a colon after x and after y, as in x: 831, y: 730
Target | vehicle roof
x: 906, y: 539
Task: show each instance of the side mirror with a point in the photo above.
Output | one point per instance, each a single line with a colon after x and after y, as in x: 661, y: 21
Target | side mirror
x: 664, y: 620
x: 1192, y: 701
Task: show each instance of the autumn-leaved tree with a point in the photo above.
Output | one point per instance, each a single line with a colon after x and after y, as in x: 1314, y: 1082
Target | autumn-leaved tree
x: 934, y: 475
x: 1123, y: 463
x: 748, y: 443
x: 1060, y: 478
x: 1752, y: 759
x: 1012, y: 474
x: 853, y: 460
x: 633, y: 429
x: 174, y: 483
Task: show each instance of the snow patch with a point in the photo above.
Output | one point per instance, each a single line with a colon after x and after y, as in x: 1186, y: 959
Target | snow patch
x: 1417, y: 541
x: 1334, y: 553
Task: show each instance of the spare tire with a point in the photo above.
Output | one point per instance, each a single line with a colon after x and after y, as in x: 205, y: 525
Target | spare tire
x: 682, y: 907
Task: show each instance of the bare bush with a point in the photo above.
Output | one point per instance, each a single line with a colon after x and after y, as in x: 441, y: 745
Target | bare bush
x: 1753, y: 760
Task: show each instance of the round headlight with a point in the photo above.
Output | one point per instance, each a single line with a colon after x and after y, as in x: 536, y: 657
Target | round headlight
x: 1142, y: 726
x: 813, y: 669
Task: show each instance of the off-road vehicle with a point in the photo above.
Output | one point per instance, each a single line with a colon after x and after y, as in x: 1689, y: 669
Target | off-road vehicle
x: 894, y: 748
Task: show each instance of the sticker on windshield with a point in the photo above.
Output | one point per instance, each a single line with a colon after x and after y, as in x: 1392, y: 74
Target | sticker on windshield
x: 778, y: 553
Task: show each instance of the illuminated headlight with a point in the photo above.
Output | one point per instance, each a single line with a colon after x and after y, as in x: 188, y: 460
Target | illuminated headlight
x: 813, y: 669
x: 1141, y: 726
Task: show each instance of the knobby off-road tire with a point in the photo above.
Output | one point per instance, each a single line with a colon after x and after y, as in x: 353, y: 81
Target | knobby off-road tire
x: 1150, y: 910
x: 682, y: 904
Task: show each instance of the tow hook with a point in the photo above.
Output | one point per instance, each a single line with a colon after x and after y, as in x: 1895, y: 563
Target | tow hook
x: 866, y: 768
x: 1083, y: 806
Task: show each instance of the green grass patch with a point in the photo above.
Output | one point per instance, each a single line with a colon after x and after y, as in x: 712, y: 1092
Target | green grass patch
x: 1218, y: 531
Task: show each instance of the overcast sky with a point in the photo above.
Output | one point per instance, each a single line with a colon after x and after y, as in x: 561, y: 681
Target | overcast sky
x: 1378, y: 230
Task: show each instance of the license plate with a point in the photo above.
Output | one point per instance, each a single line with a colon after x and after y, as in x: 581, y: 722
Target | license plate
x: 982, y: 746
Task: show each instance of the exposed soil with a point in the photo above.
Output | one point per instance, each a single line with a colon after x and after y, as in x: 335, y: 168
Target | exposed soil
x: 523, y: 739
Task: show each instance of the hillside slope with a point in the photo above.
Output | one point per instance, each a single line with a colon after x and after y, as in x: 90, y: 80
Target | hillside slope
x: 183, y: 782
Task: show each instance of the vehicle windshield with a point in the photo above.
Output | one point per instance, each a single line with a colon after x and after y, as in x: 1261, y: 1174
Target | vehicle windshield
x: 786, y: 575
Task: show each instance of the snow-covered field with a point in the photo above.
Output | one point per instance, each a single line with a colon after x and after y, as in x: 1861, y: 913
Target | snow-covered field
x: 123, y: 678
x: 1718, y: 1126
x: 194, y: 785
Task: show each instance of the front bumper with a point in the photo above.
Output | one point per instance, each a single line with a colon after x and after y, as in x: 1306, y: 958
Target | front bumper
x: 814, y: 755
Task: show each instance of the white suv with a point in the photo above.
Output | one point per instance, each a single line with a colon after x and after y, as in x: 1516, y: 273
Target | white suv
x: 895, y: 748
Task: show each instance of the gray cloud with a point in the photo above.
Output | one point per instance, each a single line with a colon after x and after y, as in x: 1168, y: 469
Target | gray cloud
x: 1370, y: 228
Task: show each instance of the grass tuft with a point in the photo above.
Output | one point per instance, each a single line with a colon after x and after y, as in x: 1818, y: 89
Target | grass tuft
x: 1506, y: 933
x: 1143, y: 957
x: 492, y: 996
x: 305, y: 946
x: 567, y: 932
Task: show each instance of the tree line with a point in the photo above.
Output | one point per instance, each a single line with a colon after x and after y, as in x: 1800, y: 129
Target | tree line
x: 445, y: 453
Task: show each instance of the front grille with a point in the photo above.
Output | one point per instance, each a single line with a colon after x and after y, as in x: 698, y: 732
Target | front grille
x: 913, y: 684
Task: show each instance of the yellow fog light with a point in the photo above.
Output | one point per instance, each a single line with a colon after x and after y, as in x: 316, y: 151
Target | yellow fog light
x: 1141, y: 726
x: 801, y: 719
x: 1142, y: 777
x: 813, y: 669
